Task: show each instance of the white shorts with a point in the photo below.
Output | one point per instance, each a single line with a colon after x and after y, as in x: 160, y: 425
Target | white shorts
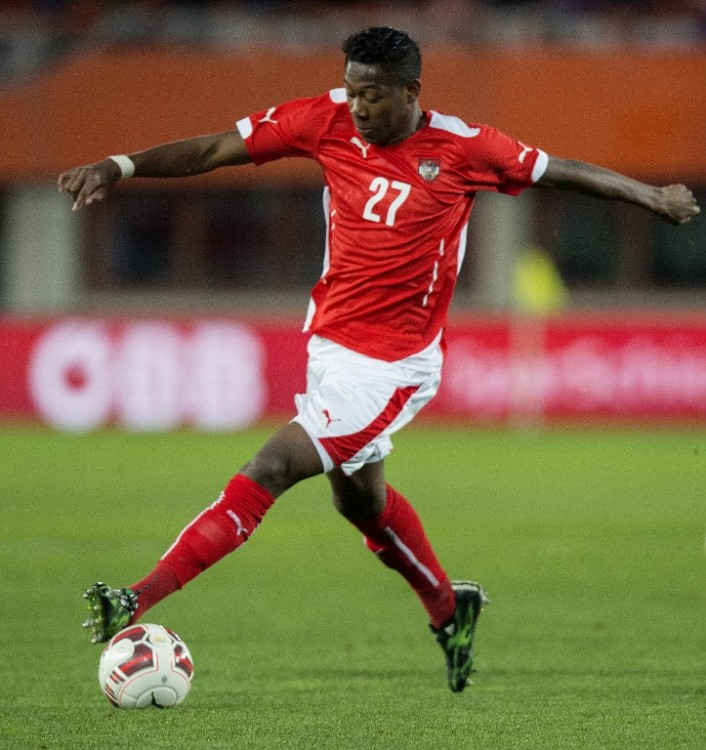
x: 353, y: 403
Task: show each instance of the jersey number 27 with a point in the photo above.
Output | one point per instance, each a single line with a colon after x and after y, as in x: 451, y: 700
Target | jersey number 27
x: 379, y: 188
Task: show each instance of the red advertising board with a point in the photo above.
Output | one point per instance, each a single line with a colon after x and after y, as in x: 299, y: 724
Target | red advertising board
x: 225, y: 373
x: 577, y: 368
x: 147, y: 373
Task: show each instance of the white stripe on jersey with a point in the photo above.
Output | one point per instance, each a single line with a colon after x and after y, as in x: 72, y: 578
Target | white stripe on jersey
x: 338, y: 96
x: 311, y: 310
x: 453, y: 125
x: 434, y: 274
x: 461, y: 248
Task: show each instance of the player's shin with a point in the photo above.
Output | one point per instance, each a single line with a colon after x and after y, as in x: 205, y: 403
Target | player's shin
x: 398, y: 539
x: 214, y: 533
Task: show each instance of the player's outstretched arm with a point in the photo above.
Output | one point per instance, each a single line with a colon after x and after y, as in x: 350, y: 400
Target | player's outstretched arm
x: 674, y: 203
x: 192, y: 156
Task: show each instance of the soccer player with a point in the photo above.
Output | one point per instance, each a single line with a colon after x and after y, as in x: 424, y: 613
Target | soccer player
x: 400, y: 184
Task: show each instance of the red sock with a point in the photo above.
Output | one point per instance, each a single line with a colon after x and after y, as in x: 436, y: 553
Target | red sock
x: 155, y: 586
x: 397, y: 537
x: 218, y: 530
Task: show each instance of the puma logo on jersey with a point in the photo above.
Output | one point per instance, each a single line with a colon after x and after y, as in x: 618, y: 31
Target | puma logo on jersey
x: 329, y: 418
x: 525, y: 150
x: 268, y: 116
x: 362, y: 146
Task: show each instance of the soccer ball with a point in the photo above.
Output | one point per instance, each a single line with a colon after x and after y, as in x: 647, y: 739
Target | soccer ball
x: 145, y: 665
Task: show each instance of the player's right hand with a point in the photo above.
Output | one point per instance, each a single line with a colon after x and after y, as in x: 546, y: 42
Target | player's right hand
x: 90, y: 183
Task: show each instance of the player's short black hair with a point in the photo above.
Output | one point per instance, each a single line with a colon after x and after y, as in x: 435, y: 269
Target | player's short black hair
x: 395, y: 51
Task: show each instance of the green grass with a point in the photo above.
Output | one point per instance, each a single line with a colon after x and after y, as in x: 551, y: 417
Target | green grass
x: 591, y: 545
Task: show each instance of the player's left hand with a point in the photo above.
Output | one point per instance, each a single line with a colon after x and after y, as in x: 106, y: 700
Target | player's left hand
x: 677, y: 204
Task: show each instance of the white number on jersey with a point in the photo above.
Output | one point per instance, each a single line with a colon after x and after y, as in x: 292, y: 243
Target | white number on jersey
x: 379, y: 187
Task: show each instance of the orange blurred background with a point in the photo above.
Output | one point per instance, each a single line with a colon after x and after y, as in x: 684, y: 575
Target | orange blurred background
x: 637, y: 112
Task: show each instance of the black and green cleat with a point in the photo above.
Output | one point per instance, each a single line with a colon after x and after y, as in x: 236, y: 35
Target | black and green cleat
x: 456, y: 638
x: 110, y: 610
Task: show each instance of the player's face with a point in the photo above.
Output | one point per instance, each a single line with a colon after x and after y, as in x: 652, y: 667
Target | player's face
x: 383, y: 113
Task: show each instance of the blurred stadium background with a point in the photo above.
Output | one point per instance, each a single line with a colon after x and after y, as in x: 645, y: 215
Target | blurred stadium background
x: 177, y: 303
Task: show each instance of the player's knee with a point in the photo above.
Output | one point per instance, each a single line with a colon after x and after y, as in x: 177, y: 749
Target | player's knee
x: 358, y: 505
x: 287, y: 458
x: 273, y: 470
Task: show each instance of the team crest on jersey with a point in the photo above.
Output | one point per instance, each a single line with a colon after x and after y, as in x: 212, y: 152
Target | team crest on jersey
x: 429, y: 169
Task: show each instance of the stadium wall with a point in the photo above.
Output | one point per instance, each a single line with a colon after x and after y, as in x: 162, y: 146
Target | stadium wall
x: 158, y: 374
x: 642, y: 112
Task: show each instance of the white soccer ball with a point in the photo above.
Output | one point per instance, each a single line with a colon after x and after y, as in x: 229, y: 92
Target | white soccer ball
x: 145, y: 665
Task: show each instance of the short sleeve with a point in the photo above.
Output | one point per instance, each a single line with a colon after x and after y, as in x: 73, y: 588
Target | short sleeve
x: 502, y: 164
x: 290, y: 129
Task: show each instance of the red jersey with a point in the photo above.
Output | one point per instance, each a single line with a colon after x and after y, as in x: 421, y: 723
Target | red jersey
x: 396, y: 216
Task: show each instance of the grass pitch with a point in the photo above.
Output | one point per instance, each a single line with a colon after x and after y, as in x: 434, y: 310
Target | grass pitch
x: 591, y: 545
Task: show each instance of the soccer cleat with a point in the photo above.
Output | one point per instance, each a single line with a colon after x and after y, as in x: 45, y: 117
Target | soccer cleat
x: 110, y: 610
x: 456, y: 638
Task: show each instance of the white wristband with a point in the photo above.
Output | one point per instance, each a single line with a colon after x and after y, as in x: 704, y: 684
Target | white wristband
x: 126, y: 164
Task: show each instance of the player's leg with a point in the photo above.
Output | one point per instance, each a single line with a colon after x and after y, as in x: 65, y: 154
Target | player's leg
x: 352, y: 406
x: 393, y: 531
x: 287, y: 458
x: 284, y: 460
